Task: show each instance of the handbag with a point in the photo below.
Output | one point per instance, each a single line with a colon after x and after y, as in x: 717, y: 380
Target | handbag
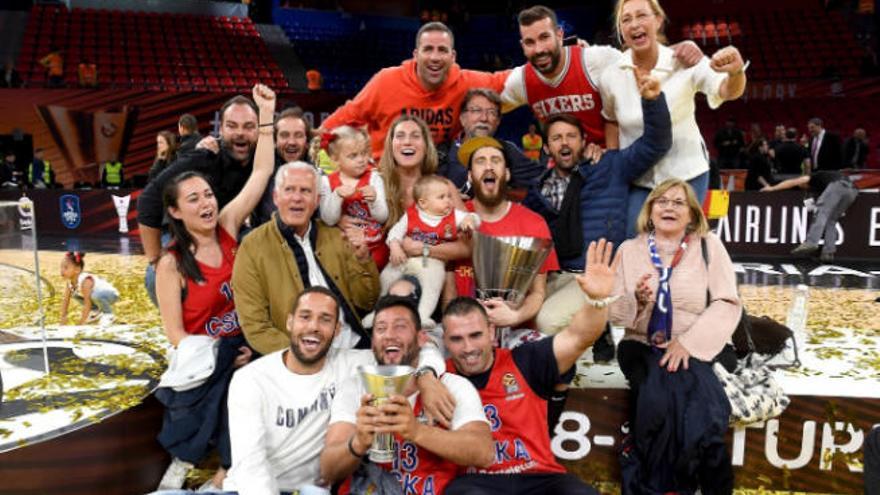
x: 763, y: 334
x: 751, y: 389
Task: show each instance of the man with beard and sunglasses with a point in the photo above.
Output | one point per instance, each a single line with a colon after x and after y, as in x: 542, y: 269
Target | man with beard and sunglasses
x: 428, y: 455
x: 279, y: 405
x: 584, y: 200
x: 227, y: 168
x: 564, y: 79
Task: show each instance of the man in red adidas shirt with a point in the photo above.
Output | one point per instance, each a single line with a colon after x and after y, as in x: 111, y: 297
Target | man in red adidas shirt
x: 430, y: 85
x: 514, y: 385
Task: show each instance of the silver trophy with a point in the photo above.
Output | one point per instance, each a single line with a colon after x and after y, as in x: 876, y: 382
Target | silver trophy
x: 504, y: 267
x: 382, y: 382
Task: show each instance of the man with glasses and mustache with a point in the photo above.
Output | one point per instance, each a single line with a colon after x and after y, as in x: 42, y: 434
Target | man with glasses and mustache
x: 480, y: 116
x: 279, y: 405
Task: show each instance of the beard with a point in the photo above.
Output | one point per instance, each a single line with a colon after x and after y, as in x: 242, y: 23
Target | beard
x: 409, y: 356
x: 487, y: 199
x: 309, y: 360
x: 555, y: 58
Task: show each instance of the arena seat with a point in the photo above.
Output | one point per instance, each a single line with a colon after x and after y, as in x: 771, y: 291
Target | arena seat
x: 826, y: 46
x: 145, y: 50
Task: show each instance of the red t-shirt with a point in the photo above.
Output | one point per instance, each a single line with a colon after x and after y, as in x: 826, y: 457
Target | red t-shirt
x: 418, y: 230
x: 519, y: 221
x: 208, y: 308
x: 575, y: 95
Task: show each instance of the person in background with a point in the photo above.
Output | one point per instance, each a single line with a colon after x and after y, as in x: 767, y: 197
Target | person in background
x: 112, y: 174
x: 96, y: 294
x: 856, y: 149
x: 791, y: 156
x: 760, y: 166
x: 677, y: 301
x: 729, y: 141
x: 835, y: 193
x: 40, y: 174
x: 188, y: 129
x: 166, y: 152
x: 54, y: 64
x: 87, y: 74
x: 825, y: 150
x: 10, y: 78
x: 10, y: 174
x: 532, y: 143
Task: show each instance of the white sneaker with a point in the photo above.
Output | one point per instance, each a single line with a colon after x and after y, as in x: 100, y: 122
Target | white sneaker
x: 94, y: 316
x: 105, y: 320
x: 175, y: 475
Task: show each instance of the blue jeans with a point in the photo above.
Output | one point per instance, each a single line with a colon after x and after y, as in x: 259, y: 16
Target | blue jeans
x: 102, y: 300
x: 638, y: 195
x: 150, y: 274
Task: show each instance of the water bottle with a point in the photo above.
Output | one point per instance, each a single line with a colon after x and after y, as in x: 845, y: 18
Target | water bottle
x: 797, y: 314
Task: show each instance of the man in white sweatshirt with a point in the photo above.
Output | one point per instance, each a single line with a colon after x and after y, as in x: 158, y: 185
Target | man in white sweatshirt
x: 279, y: 405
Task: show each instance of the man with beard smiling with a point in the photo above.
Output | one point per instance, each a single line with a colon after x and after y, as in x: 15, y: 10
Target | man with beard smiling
x: 430, y: 85
x: 489, y: 175
x: 584, y: 201
x: 427, y: 456
x: 227, y: 169
x: 564, y: 79
x: 279, y: 405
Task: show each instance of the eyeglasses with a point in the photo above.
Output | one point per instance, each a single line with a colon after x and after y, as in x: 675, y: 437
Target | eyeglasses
x: 675, y: 203
x: 488, y: 112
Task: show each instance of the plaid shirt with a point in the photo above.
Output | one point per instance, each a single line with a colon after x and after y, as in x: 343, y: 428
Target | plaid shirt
x: 554, y: 189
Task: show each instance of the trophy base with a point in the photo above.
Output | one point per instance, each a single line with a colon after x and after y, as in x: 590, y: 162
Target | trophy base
x: 381, y: 456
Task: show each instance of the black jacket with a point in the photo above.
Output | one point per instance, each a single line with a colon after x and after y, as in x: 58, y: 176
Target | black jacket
x: 226, y: 176
x: 830, y: 155
x: 679, y: 433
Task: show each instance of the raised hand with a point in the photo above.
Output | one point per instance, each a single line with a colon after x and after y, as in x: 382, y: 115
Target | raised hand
x: 688, y: 53
x: 649, y: 86
x: 264, y: 97
x: 597, y: 281
x: 727, y: 59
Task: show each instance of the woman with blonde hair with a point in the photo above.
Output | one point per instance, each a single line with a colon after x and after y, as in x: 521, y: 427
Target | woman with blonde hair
x: 639, y: 25
x: 678, y: 303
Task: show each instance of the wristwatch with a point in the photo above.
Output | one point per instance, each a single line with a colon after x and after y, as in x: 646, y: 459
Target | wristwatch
x: 424, y: 370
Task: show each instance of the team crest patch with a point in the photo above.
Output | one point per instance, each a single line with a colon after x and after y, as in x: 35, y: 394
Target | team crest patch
x: 447, y: 231
x: 71, y: 216
x: 511, y: 386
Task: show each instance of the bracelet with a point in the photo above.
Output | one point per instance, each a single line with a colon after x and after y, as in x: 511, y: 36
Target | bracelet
x: 600, y: 303
x: 270, y: 124
x: 743, y: 69
x: 351, y: 449
x: 424, y: 370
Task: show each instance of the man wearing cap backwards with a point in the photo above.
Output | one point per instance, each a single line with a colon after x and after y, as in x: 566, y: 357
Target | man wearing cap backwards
x: 279, y: 405
x: 488, y: 173
x: 585, y: 200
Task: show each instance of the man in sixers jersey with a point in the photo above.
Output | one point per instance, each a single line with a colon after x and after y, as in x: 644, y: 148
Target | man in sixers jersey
x: 564, y: 79
x: 427, y: 456
x: 515, y: 384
